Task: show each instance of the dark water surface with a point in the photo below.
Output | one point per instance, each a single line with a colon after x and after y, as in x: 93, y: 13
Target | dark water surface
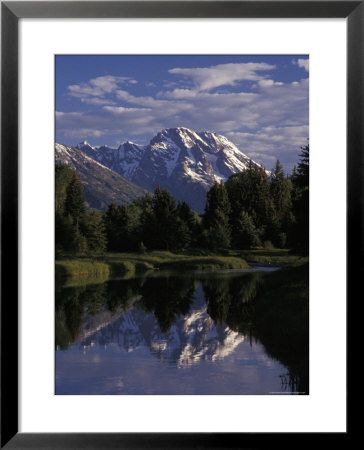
x: 201, y: 333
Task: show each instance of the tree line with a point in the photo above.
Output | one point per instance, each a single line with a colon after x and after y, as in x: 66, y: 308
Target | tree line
x: 250, y: 209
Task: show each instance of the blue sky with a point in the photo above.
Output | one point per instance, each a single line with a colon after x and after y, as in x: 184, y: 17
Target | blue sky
x: 259, y: 102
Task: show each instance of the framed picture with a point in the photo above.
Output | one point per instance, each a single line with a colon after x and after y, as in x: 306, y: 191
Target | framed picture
x: 41, y: 77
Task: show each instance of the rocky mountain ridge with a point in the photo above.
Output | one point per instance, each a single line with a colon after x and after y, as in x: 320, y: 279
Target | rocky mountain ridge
x: 185, y: 162
x: 101, y: 184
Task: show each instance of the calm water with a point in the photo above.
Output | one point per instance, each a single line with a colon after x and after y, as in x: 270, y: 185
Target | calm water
x: 170, y: 334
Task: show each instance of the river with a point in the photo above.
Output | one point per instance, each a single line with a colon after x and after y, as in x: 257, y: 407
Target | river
x: 168, y: 333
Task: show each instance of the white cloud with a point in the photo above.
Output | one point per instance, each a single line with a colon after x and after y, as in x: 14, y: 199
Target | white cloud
x: 97, y: 101
x: 168, y: 84
x: 269, y: 83
x: 98, y: 87
x: 206, y: 78
x: 181, y: 94
x: 271, y: 143
x: 270, y: 120
x: 275, y: 104
x: 304, y: 63
x: 142, y: 101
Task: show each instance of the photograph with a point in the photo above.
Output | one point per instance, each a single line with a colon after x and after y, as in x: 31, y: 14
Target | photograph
x: 181, y: 202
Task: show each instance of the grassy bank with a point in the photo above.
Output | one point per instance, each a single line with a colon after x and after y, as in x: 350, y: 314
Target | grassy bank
x: 93, y: 269
x: 168, y: 260
x: 129, y: 264
x: 81, y: 268
x: 273, y: 256
x: 206, y: 263
x: 121, y: 264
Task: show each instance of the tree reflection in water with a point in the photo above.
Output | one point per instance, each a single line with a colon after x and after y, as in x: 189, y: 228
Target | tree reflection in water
x: 271, y: 308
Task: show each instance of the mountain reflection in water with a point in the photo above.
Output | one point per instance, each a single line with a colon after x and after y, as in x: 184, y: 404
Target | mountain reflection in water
x: 170, y: 334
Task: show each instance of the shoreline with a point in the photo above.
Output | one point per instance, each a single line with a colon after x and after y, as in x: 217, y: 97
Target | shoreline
x: 131, y: 264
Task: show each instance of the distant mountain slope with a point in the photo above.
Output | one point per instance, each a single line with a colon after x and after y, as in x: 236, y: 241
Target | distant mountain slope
x: 101, y: 185
x: 122, y: 160
x: 185, y: 162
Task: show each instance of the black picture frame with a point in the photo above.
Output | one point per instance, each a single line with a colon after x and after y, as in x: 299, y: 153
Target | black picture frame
x: 11, y: 12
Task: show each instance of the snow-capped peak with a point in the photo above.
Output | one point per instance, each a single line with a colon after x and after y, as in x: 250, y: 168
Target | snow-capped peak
x: 84, y: 144
x: 184, y: 161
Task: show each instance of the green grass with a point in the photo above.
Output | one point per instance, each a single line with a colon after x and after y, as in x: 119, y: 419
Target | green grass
x: 154, y: 258
x: 81, y: 268
x: 124, y: 266
x: 128, y: 264
x: 205, y: 263
x: 168, y: 260
x: 273, y: 256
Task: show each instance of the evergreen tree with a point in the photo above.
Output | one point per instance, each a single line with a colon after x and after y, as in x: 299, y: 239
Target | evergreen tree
x: 182, y: 235
x: 74, y: 203
x: 63, y: 177
x: 143, y: 202
x: 246, y: 235
x: 79, y: 241
x: 298, y: 236
x: 249, y: 191
x: 218, y: 237
x: 281, y: 193
x: 263, y: 202
x: 273, y: 231
x: 192, y: 221
x: 302, y: 178
x: 216, y: 218
x: 69, y: 211
x: 130, y: 227
x: 164, y: 223
x: 95, y: 232
x: 294, y: 174
x: 64, y: 230
x: 164, y: 205
x: 147, y: 223
x: 217, y: 200
x: 277, y: 186
x: 189, y: 217
x: 112, y: 221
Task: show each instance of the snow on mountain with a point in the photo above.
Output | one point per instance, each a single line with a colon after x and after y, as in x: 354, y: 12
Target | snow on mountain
x: 188, y: 163
x: 122, y: 160
x: 101, y: 184
x: 86, y: 147
x: 191, y: 338
x: 185, y: 162
x: 129, y: 157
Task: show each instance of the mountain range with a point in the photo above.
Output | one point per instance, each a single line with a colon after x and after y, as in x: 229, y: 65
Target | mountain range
x: 102, y: 186
x: 185, y: 162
